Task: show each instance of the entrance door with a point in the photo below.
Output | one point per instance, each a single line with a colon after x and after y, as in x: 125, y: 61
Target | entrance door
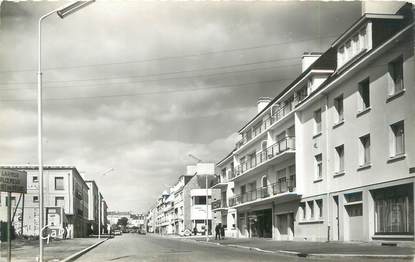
x: 264, y: 223
x: 282, y: 226
x: 355, y: 213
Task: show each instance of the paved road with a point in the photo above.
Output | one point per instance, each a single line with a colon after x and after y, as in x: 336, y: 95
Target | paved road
x: 134, y: 247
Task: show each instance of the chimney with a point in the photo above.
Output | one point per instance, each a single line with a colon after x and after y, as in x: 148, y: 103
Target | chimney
x: 263, y: 102
x: 309, y: 58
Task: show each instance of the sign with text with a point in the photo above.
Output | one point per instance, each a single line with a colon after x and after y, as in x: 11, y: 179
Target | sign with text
x: 13, y: 181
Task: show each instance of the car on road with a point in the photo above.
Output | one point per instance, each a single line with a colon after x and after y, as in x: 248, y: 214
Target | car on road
x: 117, y: 232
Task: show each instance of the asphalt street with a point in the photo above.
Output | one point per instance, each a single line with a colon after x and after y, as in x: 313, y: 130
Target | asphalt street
x: 134, y: 247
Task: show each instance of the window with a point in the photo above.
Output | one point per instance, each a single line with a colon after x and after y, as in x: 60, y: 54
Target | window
x: 291, y: 173
x: 353, y: 46
x: 398, y: 139
x: 319, y: 205
x: 338, y: 105
x: 317, y: 121
x: 311, y: 207
x: 363, y: 39
x: 348, y: 50
x: 35, y: 199
x: 394, y: 213
x: 301, y: 93
x: 339, y: 158
x: 13, y: 201
x: 364, y: 150
x: 59, y: 183
x: 341, y: 56
x: 60, y: 201
x: 364, y: 96
x: 243, y: 189
x: 199, y: 200
x: 396, y: 76
x: 303, y: 211
x: 318, y: 166
x: 35, y: 179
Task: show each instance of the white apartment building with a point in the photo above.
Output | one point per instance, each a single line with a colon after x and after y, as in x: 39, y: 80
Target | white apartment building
x: 63, y: 187
x: 330, y: 157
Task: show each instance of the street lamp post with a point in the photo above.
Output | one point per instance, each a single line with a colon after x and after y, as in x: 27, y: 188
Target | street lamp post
x: 62, y: 13
x: 100, y: 204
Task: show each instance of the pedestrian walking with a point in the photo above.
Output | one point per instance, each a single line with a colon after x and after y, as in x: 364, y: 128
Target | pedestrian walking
x: 217, y: 231
x: 222, y: 231
x: 65, y: 232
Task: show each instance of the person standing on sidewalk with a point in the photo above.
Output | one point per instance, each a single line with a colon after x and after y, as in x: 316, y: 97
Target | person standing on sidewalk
x: 217, y: 231
x: 222, y: 232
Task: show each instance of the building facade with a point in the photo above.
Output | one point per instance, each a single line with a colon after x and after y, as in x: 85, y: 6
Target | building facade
x: 182, y: 207
x: 330, y: 157
x: 93, y: 203
x: 63, y: 187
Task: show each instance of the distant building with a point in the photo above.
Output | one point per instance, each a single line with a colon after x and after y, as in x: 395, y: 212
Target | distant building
x: 181, y: 208
x: 114, y: 216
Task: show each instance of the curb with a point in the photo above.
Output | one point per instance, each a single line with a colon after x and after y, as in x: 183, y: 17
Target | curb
x: 312, y: 255
x: 83, y: 251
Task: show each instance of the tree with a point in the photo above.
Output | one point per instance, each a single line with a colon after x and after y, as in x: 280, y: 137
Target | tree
x: 122, y: 222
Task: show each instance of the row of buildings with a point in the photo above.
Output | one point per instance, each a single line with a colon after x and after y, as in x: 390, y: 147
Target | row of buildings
x: 70, y: 200
x: 332, y: 156
x: 186, y: 206
x: 134, y: 221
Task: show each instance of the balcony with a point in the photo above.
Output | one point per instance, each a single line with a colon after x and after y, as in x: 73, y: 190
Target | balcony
x: 269, y: 191
x: 221, y: 182
x: 265, y: 155
x: 219, y: 204
x: 256, y: 131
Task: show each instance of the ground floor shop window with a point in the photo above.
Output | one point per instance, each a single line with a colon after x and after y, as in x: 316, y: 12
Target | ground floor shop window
x: 394, y: 210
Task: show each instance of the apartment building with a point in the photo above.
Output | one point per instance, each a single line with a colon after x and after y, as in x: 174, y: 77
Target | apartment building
x: 329, y: 158
x: 183, y: 207
x: 63, y: 187
x: 93, y: 206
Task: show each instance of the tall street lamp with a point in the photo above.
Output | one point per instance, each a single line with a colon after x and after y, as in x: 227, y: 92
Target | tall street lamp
x: 62, y: 13
x: 100, y: 204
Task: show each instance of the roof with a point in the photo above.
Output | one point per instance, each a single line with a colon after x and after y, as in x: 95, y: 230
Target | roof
x: 225, y: 158
x: 358, y: 59
x: 326, y: 61
x: 362, y: 20
x: 36, y: 167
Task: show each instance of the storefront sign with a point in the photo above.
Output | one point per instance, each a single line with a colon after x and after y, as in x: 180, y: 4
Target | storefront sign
x: 13, y: 181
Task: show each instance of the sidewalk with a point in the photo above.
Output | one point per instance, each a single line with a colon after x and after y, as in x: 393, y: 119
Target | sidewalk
x: 55, y: 251
x: 308, y: 248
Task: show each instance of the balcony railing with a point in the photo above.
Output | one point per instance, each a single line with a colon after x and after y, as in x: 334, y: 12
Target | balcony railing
x: 275, y: 117
x: 263, y: 192
x: 219, y: 204
x: 275, y: 149
x: 220, y: 180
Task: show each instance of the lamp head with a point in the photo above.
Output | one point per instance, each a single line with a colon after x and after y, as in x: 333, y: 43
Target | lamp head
x: 72, y: 8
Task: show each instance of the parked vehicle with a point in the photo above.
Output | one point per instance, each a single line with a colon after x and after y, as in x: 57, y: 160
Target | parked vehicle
x: 117, y: 232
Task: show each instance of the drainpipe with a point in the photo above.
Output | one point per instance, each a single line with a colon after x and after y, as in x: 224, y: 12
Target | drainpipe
x: 326, y: 131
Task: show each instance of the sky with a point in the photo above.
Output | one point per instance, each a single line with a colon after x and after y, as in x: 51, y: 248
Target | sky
x: 138, y: 86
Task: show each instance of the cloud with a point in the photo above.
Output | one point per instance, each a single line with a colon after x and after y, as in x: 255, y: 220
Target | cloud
x: 167, y: 79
